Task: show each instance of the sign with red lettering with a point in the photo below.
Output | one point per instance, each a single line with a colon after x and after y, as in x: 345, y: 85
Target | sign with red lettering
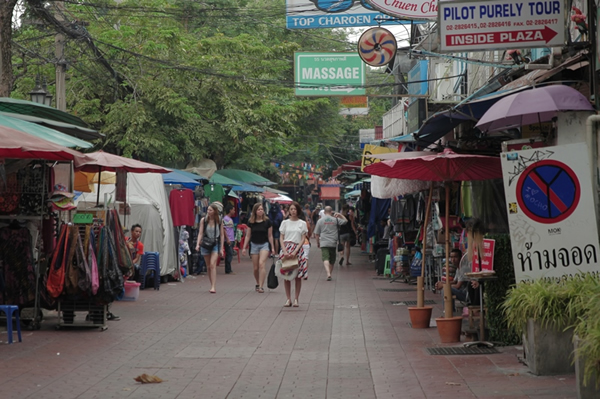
x: 487, y: 261
x: 500, y: 24
x: 417, y: 9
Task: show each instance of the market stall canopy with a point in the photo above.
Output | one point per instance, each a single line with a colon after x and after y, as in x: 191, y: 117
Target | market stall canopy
x: 46, y: 115
x: 533, y: 106
x: 248, y: 188
x: 443, y: 166
x: 348, y: 167
x: 106, y: 161
x: 282, y: 199
x: 274, y: 190
x: 190, y: 175
x: 181, y: 179
x: 43, y: 132
x: 245, y: 177
x: 355, y: 193
x: 17, y: 144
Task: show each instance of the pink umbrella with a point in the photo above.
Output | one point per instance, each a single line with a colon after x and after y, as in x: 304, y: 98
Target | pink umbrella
x: 447, y: 167
x: 100, y: 161
x: 532, y: 106
x: 105, y: 161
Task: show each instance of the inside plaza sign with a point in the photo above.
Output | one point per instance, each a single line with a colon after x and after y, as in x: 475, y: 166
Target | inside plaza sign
x: 329, y: 74
x: 500, y: 24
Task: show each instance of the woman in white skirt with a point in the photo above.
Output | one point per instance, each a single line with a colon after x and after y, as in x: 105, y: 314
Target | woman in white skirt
x: 293, y: 234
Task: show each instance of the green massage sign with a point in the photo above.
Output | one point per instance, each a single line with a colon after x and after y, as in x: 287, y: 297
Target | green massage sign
x: 329, y: 74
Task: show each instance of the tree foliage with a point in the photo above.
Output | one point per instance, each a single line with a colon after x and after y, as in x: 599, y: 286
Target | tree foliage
x: 173, y: 81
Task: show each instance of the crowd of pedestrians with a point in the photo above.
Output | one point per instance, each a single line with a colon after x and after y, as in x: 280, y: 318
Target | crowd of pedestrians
x: 284, y: 234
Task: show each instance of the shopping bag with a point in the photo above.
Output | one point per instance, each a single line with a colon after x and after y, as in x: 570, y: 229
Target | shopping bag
x: 289, y: 264
x: 272, y: 280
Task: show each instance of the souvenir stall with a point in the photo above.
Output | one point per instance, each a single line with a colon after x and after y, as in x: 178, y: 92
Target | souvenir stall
x: 26, y: 228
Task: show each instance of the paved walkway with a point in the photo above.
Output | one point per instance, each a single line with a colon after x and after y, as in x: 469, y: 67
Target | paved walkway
x: 346, y: 340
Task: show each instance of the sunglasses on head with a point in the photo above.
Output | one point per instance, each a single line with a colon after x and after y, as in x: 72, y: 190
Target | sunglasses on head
x: 332, y: 6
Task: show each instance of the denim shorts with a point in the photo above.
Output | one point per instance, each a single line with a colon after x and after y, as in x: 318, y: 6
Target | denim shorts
x: 256, y: 248
x: 345, y: 238
x: 276, y: 234
x: 206, y: 252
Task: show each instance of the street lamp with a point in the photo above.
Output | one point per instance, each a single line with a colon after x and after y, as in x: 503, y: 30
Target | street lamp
x: 48, y: 98
x: 38, y: 94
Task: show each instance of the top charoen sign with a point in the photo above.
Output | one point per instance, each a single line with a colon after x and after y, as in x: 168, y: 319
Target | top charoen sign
x: 314, y: 14
x: 500, y: 24
x: 414, y: 9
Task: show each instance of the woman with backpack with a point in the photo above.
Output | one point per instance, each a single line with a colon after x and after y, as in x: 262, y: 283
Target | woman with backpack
x: 210, y: 242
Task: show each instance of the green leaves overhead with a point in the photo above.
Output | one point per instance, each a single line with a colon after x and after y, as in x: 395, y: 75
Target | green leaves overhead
x: 174, y: 81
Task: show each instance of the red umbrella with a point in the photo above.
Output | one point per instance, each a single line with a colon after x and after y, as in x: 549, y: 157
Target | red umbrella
x: 17, y: 144
x: 106, y: 161
x: 446, y: 166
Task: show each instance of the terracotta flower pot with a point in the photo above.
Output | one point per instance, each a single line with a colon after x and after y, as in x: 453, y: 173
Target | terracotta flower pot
x: 449, y: 329
x: 420, y: 317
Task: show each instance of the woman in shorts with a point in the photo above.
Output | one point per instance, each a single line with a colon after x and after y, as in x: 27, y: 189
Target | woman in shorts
x: 260, y: 234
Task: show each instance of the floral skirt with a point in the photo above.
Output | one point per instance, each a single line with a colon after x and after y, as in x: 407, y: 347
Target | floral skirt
x: 302, y: 269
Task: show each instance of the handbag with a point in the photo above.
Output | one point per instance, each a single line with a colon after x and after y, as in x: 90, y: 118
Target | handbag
x: 340, y: 246
x: 289, y: 264
x: 207, y: 242
x: 272, y: 280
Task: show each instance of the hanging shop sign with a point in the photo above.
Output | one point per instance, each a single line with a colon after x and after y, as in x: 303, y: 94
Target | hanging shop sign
x: 418, y: 84
x: 415, y: 9
x: 354, y: 105
x: 551, y: 214
x: 487, y: 261
x: 500, y: 24
x: 312, y: 14
x: 370, y: 149
x: 329, y: 74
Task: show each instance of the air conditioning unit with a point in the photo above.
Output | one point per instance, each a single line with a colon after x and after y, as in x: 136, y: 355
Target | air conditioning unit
x: 443, y: 89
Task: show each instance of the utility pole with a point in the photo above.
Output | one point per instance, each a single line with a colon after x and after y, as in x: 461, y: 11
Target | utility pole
x: 61, y: 65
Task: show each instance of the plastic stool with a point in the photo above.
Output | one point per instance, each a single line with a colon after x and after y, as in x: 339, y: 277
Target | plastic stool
x: 9, y: 310
x: 387, y: 270
x: 150, y: 261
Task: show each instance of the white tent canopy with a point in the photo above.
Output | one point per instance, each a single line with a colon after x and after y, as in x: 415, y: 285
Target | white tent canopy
x: 149, y: 203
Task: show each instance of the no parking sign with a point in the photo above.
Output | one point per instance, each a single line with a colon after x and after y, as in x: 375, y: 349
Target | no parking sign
x: 551, y: 212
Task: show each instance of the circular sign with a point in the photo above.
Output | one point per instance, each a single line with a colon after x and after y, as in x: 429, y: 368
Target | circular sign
x: 548, y: 191
x: 377, y: 47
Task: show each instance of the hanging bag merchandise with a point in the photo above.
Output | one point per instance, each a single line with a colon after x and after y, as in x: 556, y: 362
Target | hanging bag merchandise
x: 93, y: 267
x: 56, y: 273
x: 272, y: 280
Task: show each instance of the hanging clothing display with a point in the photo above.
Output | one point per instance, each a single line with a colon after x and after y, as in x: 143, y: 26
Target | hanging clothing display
x: 214, y: 192
x: 182, y: 205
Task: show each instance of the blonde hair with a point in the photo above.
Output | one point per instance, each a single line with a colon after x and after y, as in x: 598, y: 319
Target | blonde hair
x: 253, y: 215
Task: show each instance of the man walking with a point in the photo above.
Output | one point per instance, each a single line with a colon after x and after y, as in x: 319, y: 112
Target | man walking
x: 229, y: 238
x: 326, y: 233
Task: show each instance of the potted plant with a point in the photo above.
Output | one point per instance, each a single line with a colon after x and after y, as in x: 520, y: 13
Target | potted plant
x: 544, y: 311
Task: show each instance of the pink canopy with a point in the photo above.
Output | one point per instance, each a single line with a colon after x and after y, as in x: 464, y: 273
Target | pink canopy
x: 105, y: 161
x: 18, y: 144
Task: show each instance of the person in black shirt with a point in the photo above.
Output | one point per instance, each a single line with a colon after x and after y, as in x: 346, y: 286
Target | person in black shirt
x: 260, y: 234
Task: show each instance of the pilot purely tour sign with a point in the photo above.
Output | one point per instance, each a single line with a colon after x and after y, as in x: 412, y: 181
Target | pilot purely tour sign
x: 501, y: 24
x: 329, y: 74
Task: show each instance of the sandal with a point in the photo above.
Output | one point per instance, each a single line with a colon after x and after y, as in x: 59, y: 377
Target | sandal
x: 213, y: 291
x: 296, y: 303
x: 260, y: 290
x: 256, y: 287
x: 341, y: 261
x: 288, y: 303
x: 329, y: 278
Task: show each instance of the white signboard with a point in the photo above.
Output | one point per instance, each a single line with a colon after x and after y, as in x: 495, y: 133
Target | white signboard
x: 501, y: 24
x: 312, y: 14
x: 416, y: 9
x: 551, y: 213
